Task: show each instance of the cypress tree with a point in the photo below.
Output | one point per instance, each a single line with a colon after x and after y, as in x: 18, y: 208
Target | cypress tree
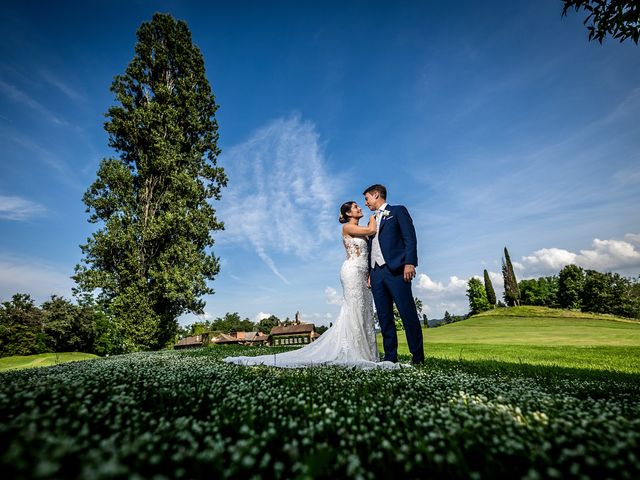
x: 511, y: 291
x: 488, y: 287
x: 151, y: 258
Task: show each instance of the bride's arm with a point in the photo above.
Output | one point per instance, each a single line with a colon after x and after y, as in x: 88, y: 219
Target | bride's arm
x: 358, y: 231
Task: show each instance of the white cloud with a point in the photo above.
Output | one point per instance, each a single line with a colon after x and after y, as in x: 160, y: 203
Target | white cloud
x: 33, y: 276
x: 427, y: 285
x: 550, y: 258
x: 497, y: 280
x: 438, y: 296
x: 332, y: 296
x: 280, y: 196
x: 261, y: 316
x: 17, y: 208
x: 605, y: 255
x: 633, y: 238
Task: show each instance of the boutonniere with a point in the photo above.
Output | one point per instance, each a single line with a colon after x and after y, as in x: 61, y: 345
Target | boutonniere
x: 386, y: 213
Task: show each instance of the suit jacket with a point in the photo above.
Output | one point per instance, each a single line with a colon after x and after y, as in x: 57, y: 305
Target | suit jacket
x: 397, y: 237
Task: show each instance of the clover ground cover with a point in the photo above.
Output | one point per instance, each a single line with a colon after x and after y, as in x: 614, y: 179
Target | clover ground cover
x: 187, y: 414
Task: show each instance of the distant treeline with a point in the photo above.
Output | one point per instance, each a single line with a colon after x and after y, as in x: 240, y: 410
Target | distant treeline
x: 58, y: 325
x: 573, y: 288
x: 586, y: 290
x: 231, y: 322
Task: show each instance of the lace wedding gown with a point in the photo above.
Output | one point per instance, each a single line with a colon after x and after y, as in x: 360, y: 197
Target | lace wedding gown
x: 351, y: 341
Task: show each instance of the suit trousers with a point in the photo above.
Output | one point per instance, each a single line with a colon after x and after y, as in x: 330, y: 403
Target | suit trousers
x: 388, y: 287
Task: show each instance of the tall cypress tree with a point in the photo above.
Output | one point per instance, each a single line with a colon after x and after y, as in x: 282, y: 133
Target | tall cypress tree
x: 488, y: 287
x: 511, y: 290
x: 150, y: 258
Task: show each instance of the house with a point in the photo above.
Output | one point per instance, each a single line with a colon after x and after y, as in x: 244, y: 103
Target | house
x: 242, y: 338
x: 296, y: 334
x: 194, y: 341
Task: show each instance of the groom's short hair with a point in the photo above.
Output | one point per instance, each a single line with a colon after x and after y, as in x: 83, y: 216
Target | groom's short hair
x: 381, y: 189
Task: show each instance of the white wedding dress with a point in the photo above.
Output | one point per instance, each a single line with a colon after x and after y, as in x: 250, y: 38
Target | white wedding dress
x: 351, y: 341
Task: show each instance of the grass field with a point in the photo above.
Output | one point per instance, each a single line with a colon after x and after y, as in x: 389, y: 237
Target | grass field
x: 537, y: 336
x: 520, y: 407
x: 42, y: 360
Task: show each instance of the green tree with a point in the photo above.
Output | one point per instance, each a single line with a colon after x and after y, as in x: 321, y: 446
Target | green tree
x: 321, y: 329
x: 232, y: 322
x: 151, y: 258
x: 488, y: 288
x: 68, y: 327
x: 511, y: 293
x: 109, y: 339
x: 618, y: 18
x: 266, y: 324
x: 597, y: 292
x: 542, y: 291
x: 21, y: 327
x: 477, y: 296
x: 447, y: 318
x: 570, y: 286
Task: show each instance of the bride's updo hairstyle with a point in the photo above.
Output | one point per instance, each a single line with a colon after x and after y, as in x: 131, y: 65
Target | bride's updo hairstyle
x: 346, y: 207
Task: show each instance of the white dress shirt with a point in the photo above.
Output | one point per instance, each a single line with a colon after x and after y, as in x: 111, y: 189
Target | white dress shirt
x: 376, y: 252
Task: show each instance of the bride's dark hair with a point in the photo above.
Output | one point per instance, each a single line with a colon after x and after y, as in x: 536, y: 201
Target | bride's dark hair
x: 346, y: 207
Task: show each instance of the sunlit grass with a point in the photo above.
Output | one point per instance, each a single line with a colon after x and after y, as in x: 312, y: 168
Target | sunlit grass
x: 537, y: 336
x: 42, y: 360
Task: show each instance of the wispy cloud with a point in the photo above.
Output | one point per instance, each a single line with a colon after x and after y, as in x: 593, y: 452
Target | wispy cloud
x: 19, y: 96
x: 280, y: 197
x: 34, y: 276
x: 70, y: 92
x: 62, y: 169
x: 17, y: 208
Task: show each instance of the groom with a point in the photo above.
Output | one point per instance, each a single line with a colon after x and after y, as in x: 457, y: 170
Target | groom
x: 392, y: 266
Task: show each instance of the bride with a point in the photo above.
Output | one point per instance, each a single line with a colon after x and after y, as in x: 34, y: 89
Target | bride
x: 351, y: 341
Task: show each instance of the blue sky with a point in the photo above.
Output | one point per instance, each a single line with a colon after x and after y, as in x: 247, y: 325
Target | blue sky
x: 495, y: 123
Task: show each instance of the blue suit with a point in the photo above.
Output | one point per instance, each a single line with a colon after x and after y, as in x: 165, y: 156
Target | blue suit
x: 397, y: 238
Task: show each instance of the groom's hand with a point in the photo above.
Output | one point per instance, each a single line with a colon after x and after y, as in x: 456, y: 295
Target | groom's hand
x: 409, y: 272
x: 369, y: 281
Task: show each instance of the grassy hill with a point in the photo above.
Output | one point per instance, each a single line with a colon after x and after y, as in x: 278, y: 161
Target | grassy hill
x: 538, y: 336
x: 42, y: 360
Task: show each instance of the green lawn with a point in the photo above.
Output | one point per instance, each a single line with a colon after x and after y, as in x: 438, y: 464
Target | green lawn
x: 537, y: 336
x: 42, y: 360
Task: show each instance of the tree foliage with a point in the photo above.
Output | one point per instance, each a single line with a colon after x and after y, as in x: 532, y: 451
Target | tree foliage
x: 511, y: 291
x: 150, y: 259
x: 570, y: 286
x: 610, y: 293
x: 618, y: 18
x: 58, y: 325
x: 586, y: 290
x: 542, y: 291
x: 266, y: 324
x: 477, y: 296
x: 21, y: 327
x: 488, y: 288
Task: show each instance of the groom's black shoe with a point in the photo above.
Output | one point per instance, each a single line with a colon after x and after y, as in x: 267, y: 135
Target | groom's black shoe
x: 390, y: 359
x: 417, y: 362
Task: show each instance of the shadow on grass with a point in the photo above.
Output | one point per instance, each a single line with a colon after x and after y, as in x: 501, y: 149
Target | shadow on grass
x: 540, y: 373
x: 544, y: 374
